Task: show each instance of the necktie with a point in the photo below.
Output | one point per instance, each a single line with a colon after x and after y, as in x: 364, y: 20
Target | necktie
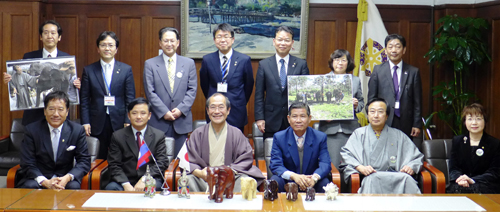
x: 55, y: 142
x: 171, y: 73
x: 224, y: 69
x: 300, y: 143
x: 108, y: 73
x: 396, y: 88
x: 49, y: 56
x: 139, y: 141
x: 283, y: 74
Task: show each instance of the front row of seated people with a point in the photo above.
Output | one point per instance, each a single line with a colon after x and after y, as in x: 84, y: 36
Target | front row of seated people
x: 385, y: 157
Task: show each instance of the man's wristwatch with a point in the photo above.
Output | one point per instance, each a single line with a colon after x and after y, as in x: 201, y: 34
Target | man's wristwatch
x: 315, y: 178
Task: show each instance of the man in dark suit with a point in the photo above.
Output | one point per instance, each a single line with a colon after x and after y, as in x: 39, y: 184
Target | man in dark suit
x: 51, y: 146
x: 300, y: 153
x: 50, y: 34
x: 229, y: 72
x: 399, y: 84
x: 271, y: 92
x: 123, y: 157
x: 107, y: 88
x: 170, y: 83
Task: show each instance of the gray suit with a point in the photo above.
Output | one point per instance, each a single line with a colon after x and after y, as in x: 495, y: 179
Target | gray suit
x: 336, y: 140
x: 157, y: 88
x: 410, y: 91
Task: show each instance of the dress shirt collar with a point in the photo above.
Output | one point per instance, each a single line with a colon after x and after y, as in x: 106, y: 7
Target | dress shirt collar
x: 286, y: 58
x: 143, y: 131
x: 52, y: 128
x: 228, y: 55
x: 45, y: 53
x: 399, y: 65
x: 165, y: 58
x: 297, y: 137
x: 112, y: 63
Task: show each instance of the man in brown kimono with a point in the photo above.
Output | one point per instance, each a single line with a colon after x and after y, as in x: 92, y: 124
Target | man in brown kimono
x: 218, y: 143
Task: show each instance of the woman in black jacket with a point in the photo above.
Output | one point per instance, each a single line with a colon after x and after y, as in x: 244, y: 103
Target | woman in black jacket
x: 475, y: 156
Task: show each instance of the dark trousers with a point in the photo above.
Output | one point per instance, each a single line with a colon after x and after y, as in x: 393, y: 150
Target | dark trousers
x: 396, y: 123
x: 104, y: 138
x: 318, y: 187
x: 179, y: 139
x: 114, y: 186
x: 73, y: 185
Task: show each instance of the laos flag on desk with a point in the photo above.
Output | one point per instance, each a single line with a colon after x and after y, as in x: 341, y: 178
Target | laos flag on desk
x: 144, y: 154
x: 184, y: 157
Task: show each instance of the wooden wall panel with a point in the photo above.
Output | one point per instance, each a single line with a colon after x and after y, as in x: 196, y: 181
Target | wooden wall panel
x: 493, y: 89
x: 131, y: 38
x: 325, y: 36
x: 95, y: 25
x: 416, y: 50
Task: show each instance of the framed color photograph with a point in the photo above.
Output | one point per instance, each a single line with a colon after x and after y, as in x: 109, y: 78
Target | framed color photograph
x: 329, y: 96
x: 33, y: 79
x: 254, y: 23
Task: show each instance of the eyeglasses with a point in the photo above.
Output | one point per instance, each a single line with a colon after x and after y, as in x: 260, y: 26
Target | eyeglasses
x: 103, y: 45
x: 52, y: 110
x: 373, y: 112
x: 339, y: 60
x: 220, y: 37
x: 214, y: 108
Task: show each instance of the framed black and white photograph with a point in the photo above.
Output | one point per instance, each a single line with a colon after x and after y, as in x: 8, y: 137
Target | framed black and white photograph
x: 254, y: 23
x: 328, y: 96
x: 33, y: 79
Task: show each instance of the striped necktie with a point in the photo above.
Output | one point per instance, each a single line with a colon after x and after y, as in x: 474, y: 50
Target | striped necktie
x: 171, y: 73
x: 224, y: 69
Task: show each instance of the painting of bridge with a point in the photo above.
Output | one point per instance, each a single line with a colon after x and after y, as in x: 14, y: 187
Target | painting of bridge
x: 254, y: 22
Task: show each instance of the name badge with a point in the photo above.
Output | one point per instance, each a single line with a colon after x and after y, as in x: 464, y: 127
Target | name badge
x: 397, y: 105
x: 109, y: 100
x: 222, y: 87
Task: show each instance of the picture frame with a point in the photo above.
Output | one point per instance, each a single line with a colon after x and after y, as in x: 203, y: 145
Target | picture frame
x: 329, y: 96
x: 254, y: 25
x: 32, y: 79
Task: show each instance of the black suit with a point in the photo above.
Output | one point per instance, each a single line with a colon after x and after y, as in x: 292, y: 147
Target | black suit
x: 271, y: 102
x: 410, y: 91
x: 124, y: 151
x: 37, y: 157
x: 30, y: 116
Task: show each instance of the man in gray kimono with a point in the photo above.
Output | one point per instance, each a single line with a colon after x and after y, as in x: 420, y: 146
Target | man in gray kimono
x: 20, y: 84
x: 218, y: 143
x: 385, y: 156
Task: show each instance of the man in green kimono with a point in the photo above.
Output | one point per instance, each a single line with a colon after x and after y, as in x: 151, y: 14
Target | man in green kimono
x: 384, y: 156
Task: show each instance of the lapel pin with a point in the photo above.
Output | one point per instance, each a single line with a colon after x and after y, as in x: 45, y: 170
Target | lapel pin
x: 179, y: 74
x: 406, y: 72
x: 465, y: 139
x: 235, y: 63
x: 63, y: 140
x: 293, y: 66
x: 479, y: 152
x: 118, y: 71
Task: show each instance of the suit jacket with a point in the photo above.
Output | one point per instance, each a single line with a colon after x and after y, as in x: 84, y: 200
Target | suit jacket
x: 410, y: 91
x: 124, y: 152
x: 37, y: 157
x: 93, y: 90
x: 157, y: 88
x: 239, y: 84
x: 348, y: 126
x: 271, y: 103
x: 483, y: 169
x: 30, y: 116
x: 285, y: 155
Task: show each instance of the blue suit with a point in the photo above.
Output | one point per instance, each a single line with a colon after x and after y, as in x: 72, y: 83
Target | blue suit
x: 30, y: 116
x: 239, y: 84
x: 285, y: 156
x: 92, y: 107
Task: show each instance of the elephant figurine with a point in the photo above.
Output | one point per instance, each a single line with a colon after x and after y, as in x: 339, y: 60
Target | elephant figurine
x: 310, y: 194
x: 248, y: 188
x: 292, y: 191
x: 271, y: 190
x: 220, y: 181
x: 331, y: 191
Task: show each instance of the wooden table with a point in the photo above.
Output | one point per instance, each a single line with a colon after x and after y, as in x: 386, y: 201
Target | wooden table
x: 20, y: 200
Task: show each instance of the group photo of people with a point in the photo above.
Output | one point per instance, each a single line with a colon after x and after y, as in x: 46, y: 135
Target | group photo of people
x: 316, y: 122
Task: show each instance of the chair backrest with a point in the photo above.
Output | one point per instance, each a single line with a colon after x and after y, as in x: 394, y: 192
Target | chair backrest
x: 17, y: 134
x: 437, y: 152
x: 268, y: 146
x: 258, y: 142
x: 170, y: 143
x: 316, y: 126
x: 198, y: 123
x: 93, y: 146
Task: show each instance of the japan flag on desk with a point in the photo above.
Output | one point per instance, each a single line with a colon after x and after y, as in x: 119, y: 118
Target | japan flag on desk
x: 184, y: 158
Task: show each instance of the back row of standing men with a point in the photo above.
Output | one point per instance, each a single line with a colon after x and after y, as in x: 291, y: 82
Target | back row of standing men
x: 170, y: 83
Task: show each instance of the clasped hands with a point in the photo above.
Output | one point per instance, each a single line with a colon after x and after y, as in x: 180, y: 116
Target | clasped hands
x: 367, y: 170
x: 57, y: 183
x: 464, y: 181
x: 139, y: 186
x: 172, y: 115
x: 303, y: 181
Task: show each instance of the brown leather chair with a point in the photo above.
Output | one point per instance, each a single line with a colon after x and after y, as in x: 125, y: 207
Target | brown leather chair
x: 268, y: 145
x: 437, y: 154
x: 93, y: 149
x: 101, y: 175
x: 10, y: 147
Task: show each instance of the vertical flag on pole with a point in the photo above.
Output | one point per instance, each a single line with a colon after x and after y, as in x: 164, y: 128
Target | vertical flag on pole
x: 144, y: 154
x: 370, y: 38
x: 184, y: 158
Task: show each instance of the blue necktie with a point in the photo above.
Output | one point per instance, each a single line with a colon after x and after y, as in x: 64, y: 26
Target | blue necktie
x: 224, y: 69
x: 396, y: 89
x: 283, y: 74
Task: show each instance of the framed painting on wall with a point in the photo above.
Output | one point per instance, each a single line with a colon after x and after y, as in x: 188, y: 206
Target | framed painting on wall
x: 254, y: 23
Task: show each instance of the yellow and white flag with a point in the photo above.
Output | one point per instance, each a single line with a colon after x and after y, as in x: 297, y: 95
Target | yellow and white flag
x: 370, y: 37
